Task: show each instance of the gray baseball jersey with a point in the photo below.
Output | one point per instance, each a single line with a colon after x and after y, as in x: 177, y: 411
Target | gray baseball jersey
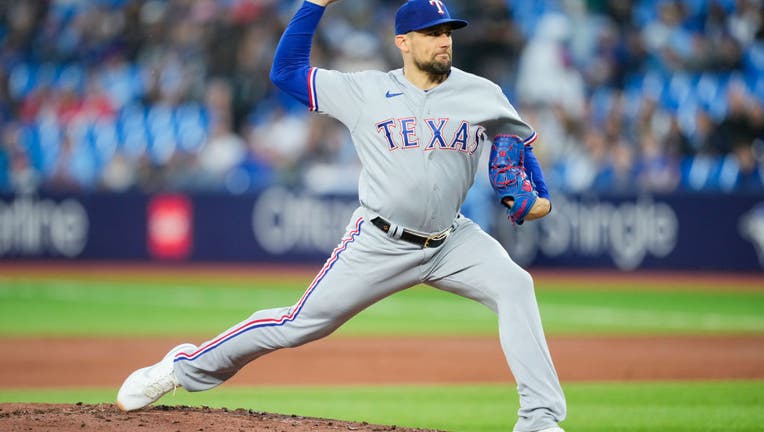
x: 419, y: 149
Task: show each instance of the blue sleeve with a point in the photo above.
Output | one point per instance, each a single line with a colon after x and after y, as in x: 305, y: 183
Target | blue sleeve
x: 291, y: 71
x: 533, y: 170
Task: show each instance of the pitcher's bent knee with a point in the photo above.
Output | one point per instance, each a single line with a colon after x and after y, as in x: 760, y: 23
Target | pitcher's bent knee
x: 517, y: 285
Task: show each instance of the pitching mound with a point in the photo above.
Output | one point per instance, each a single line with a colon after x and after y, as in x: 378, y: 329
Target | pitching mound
x: 161, y: 418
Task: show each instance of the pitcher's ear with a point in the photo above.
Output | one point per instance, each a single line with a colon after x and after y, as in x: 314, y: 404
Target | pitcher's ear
x: 401, y: 41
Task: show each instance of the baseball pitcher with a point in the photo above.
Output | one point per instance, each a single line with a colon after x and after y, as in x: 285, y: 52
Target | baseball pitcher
x: 418, y: 131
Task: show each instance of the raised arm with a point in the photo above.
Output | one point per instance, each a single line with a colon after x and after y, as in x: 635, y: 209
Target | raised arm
x: 291, y: 68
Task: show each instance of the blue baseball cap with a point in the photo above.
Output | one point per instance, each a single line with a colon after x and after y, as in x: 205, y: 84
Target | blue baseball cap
x: 421, y: 14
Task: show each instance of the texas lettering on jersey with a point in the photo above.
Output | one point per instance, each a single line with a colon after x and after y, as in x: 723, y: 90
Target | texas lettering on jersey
x: 404, y: 133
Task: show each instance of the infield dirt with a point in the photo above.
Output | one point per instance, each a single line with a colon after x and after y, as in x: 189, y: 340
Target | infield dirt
x: 63, y: 362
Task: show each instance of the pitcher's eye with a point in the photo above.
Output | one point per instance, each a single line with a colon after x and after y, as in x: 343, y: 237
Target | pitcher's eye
x: 438, y: 33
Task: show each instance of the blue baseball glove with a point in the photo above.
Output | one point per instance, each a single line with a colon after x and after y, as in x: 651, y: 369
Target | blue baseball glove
x: 508, y: 177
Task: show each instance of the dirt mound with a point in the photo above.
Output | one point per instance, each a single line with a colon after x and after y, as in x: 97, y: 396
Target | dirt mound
x: 17, y: 417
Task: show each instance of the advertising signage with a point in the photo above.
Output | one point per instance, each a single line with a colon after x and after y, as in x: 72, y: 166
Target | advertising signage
x: 277, y: 225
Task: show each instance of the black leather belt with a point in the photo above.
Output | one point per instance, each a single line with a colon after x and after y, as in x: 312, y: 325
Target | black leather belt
x: 419, y: 240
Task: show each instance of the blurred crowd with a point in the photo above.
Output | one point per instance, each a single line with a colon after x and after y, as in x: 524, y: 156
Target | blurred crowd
x: 157, y: 95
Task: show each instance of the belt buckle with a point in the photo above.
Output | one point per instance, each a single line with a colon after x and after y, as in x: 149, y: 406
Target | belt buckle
x: 438, y: 236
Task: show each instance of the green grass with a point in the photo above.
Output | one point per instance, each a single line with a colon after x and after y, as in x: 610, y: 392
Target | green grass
x: 652, y: 312
x: 87, y: 305
x: 593, y: 407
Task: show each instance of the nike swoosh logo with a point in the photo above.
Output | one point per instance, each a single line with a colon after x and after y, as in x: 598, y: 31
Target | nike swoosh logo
x: 392, y: 95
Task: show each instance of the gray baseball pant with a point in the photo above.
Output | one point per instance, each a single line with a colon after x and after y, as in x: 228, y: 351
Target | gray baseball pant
x: 367, y: 266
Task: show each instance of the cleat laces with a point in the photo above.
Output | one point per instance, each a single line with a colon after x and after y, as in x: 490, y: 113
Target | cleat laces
x: 160, y: 387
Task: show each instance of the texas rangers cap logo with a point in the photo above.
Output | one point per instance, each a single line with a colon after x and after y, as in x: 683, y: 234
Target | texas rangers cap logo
x: 439, y: 5
x: 421, y: 14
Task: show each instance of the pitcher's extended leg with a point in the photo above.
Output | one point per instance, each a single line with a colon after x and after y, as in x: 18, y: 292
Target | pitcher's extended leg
x: 339, y: 291
x: 474, y: 265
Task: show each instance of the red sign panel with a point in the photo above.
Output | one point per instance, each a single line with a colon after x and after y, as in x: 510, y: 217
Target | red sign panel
x: 170, y: 227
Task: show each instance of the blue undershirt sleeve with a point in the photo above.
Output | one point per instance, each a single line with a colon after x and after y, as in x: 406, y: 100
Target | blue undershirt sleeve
x: 291, y: 63
x: 533, y: 170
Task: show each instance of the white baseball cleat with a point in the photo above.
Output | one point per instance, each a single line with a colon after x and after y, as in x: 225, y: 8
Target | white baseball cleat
x: 552, y: 429
x: 147, y: 385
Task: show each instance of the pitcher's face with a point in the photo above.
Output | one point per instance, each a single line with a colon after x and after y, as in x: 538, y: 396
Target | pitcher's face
x: 432, y: 49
